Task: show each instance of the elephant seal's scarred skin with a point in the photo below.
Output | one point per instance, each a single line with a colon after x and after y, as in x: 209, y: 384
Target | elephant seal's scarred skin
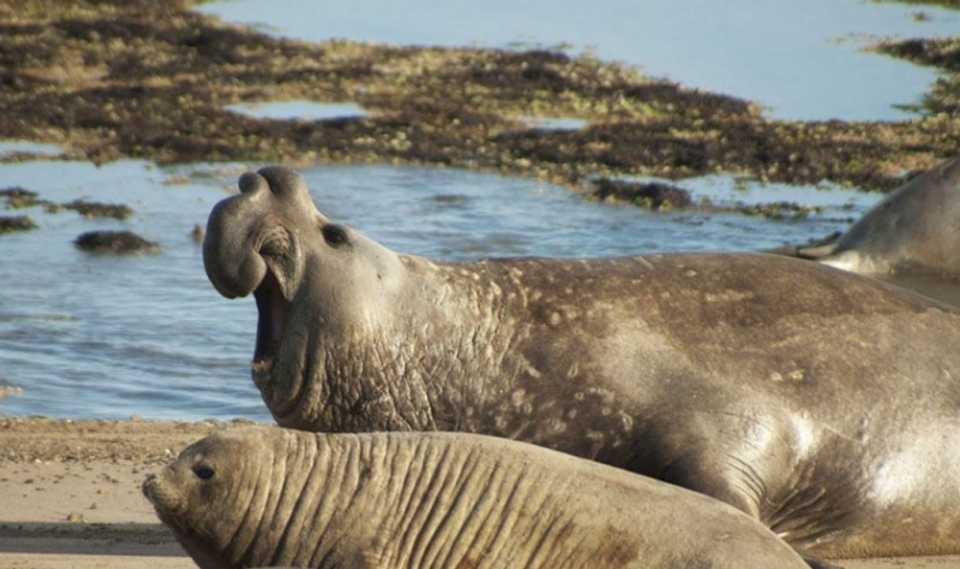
x: 440, y: 500
x: 915, y: 229
x: 824, y: 403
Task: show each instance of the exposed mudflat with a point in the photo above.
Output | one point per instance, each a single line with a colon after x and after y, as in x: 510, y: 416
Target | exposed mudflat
x: 152, y: 80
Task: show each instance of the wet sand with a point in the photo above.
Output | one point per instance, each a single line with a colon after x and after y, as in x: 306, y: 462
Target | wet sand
x: 70, y: 495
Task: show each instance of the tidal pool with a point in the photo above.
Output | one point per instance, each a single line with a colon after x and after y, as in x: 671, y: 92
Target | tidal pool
x: 8, y: 147
x: 802, y: 60
x: 301, y: 110
x: 555, y: 123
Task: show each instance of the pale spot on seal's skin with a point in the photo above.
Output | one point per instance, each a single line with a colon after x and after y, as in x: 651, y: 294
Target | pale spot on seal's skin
x: 518, y: 397
x: 556, y: 426
x: 795, y: 375
x: 555, y: 319
x: 729, y: 296
x: 528, y: 368
x: 804, y: 435
x: 897, y: 476
x: 690, y: 273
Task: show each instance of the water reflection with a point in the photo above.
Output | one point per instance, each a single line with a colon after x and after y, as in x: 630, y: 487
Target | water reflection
x: 302, y: 110
x: 9, y: 147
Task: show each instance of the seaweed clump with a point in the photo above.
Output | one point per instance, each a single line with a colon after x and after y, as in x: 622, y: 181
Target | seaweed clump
x: 649, y: 195
x: 115, y: 242
x: 20, y: 198
x: 93, y: 210
x: 12, y: 223
x: 778, y: 211
x: 944, y: 54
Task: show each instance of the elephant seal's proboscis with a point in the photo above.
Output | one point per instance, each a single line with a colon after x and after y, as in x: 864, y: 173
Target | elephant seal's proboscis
x: 821, y: 402
x: 266, y: 496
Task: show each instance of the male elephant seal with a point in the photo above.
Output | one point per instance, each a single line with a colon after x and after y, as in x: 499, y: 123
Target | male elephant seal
x: 915, y: 229
x: 268, y: 496
x: 824, y: 403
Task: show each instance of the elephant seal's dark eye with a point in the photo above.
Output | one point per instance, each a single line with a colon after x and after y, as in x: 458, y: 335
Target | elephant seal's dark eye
x: 203, y: 472
x: 334, y: 235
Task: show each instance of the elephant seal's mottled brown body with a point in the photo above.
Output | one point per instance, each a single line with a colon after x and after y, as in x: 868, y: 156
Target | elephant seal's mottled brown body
x: 416, y: 500
x: 824, y: 403
x: 915, y: 229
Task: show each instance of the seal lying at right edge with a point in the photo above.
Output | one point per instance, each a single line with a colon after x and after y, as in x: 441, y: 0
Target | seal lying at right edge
x: 824, y: 403
x: 268, y: 496
x: 915, y: 229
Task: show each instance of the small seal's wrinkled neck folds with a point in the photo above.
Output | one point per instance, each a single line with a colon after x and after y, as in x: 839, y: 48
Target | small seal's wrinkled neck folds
x: 320, y: 500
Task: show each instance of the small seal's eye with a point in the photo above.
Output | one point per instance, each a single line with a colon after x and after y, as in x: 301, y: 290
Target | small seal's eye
x: 334, y: 235
x: 203, y: 472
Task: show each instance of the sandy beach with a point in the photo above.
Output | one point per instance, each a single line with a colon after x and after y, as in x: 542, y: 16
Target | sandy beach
x: 70, y: 495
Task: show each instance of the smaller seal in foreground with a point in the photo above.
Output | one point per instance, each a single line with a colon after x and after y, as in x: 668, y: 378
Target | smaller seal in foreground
x: 271, y: 496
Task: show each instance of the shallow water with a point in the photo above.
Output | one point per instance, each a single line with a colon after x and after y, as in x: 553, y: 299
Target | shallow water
x: 302, y: 110
x: 555, y: 123
x: 101, y: 336
x: 803, y: 60
x: 8, y: 147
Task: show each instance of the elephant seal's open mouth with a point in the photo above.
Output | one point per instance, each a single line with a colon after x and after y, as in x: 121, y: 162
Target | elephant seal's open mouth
x: 272, y: 309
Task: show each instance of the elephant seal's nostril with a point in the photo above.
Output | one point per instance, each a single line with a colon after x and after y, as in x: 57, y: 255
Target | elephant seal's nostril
x: 251, y: 182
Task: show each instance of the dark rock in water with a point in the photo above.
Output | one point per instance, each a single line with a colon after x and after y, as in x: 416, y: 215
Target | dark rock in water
x: 197, y: 233
x: 116, y: 242
x: 450, y: 199
x: 9, y: 223
x: 97, y: 209
x: 650, y: 195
